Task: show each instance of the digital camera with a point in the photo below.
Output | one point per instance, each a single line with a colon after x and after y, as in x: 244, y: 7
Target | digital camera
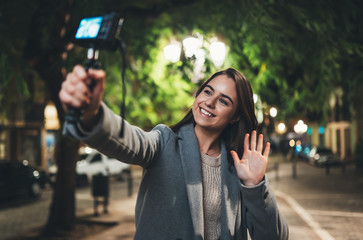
x: 101, y: 32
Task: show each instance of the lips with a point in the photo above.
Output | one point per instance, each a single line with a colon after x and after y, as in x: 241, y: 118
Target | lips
x: 206, y: 113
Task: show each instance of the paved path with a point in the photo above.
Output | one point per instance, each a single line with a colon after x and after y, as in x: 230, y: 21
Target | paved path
x: 316, y: 206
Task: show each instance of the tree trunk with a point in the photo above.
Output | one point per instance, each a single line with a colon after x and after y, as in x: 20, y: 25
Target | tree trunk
x: 46, y: 59
x: 62, y: 210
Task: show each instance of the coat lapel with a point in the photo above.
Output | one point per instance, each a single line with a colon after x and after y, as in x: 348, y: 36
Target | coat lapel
x: 190, y: 157
x: 230, y: 195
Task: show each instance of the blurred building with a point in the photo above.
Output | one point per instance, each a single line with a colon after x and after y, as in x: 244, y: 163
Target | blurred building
x: 30, y: 136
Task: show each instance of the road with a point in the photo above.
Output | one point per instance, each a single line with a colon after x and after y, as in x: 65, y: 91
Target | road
x: 317, y: 206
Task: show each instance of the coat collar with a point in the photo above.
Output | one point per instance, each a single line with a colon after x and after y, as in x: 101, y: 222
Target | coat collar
x: 191, y: 162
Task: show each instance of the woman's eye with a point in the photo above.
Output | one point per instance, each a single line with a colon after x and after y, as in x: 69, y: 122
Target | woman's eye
x: 224, y: 102
x: 207, y: 92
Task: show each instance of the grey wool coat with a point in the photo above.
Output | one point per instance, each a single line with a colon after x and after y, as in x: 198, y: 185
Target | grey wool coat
x: 170, y: 198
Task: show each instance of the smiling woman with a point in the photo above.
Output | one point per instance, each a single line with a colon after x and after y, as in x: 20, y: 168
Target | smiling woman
x: 204, y: 177
x: 216, y: 106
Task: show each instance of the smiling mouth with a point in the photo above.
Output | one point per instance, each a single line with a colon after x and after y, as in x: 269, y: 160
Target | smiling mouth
x: 206, y: 113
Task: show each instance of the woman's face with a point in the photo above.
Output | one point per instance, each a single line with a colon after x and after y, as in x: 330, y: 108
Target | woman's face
x: 216, y: 105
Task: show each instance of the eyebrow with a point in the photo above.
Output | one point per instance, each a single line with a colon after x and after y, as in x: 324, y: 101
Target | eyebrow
x: 223, y: 95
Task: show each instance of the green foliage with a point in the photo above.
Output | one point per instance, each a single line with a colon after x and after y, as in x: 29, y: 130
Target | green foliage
x: 294, y: 53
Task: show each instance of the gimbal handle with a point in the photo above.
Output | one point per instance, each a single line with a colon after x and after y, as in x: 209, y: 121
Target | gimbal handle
x: 75, y: 114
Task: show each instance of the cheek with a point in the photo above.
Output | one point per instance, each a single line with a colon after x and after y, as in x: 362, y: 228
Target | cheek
x: 195, y: 107
x: 196, y: 102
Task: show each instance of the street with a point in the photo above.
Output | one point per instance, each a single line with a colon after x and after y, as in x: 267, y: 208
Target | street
x: 24, y: 214
x: 317, y: 206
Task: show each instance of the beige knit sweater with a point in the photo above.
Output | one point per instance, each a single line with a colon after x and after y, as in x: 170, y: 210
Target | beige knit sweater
x: 211, y: 173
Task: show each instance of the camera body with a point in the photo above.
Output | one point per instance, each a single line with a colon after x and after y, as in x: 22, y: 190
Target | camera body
x: 96, y: 33
x: 101, y: 32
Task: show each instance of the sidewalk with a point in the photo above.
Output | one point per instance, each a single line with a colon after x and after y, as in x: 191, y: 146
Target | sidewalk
x: 309, y: 180
x: 121, y: 214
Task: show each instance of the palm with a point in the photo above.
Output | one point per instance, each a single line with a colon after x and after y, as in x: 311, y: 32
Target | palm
x: 251, y: 168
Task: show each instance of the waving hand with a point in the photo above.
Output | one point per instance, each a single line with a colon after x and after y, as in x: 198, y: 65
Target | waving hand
x: 252, y: 167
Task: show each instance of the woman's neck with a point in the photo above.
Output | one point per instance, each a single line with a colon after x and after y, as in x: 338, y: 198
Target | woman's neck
x: 209, y: 142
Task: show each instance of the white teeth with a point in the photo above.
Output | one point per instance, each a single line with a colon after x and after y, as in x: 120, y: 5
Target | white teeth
x: 205, y: 112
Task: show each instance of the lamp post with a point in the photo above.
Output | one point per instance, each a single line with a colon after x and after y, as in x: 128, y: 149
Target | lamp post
x: 300, y: 128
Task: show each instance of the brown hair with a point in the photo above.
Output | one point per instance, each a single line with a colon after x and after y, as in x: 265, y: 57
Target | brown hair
x: 233, y: 134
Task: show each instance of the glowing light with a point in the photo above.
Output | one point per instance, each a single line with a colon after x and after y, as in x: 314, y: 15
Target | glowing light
x: 218, y: 53
x: 273, y: 112
x: 281, y: 128
x: 87, y: 150
x: 300, y: 127
x: 260, y: 116
x: 292, y: 142
x: 191, y: 46
x: 321, y: 130
x: 51, y: 117
x: 172, y: 52
x: 255, y: 98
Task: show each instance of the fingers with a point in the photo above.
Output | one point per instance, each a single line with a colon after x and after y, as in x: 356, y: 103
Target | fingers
x: 253, y: 141
x: 267, y: 150
x: 97, y: 74
x: 247, y: 142
x: 75, y: 89
x: 79, y: 72
x: 260, y: 143
x: 235, y: 157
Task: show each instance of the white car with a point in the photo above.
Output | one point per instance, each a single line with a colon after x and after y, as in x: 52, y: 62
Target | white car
x: 97, y: 163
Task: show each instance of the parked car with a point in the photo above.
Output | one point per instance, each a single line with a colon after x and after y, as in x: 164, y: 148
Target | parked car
x: 19, y: 179
x: 97, y: 163
x: 320, y: 156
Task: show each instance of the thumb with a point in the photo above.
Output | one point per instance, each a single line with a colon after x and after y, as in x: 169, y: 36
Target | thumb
x: 235, y: 157
x: 98, y: 74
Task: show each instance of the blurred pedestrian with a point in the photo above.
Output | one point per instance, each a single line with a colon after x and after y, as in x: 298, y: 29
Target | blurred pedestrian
x: 204, y: 177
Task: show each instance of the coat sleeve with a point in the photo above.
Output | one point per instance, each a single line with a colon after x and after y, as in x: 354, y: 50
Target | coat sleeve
x: 135, y: 147
x: 264, y: 220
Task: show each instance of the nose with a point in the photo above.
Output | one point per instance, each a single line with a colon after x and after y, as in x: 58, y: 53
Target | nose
x: 211, y: 102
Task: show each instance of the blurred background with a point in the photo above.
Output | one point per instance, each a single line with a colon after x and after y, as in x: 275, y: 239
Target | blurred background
x: 303, y: 59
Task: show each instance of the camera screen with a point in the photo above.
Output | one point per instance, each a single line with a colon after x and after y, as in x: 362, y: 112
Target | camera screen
x: 89, y: 28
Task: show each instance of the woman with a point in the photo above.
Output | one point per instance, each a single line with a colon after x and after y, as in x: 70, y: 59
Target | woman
x: 195, y: 185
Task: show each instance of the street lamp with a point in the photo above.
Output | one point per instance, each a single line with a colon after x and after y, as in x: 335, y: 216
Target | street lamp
x: 300, y: 127
x: 193, y: 46
x: 273, y: 112
x: 172, y: 52
x: 217, y: 53
x: 51, y: 117
x: 281, y: 128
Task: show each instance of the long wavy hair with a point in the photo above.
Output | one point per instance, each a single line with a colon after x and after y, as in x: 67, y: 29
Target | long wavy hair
x: 233, y: 134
